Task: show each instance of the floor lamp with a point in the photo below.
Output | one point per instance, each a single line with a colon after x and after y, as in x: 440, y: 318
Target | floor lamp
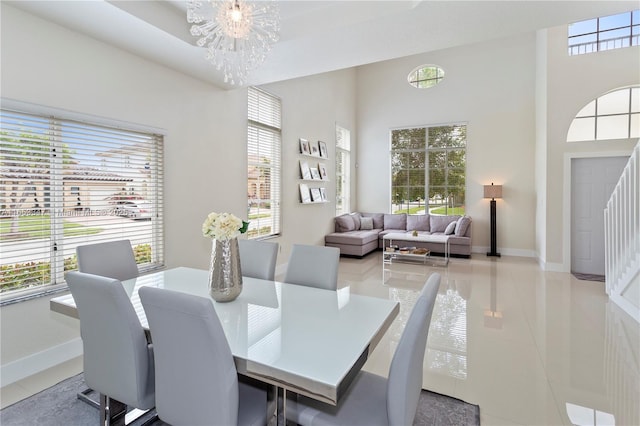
x: 493, y: 191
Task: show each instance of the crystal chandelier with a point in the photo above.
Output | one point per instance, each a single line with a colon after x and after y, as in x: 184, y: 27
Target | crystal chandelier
x: 238, y: 34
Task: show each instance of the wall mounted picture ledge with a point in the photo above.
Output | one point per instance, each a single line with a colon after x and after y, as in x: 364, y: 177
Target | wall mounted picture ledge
x: 493, y: 191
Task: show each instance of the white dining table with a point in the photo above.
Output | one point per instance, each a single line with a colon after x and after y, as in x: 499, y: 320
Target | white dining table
x: 302, y: 339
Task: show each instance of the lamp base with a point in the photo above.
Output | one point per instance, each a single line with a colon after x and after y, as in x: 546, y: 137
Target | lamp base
x: 495, y: 254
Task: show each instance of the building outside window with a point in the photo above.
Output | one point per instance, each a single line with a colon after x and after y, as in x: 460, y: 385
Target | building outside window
x: 264, y: 140
x: 343, y: 170
x: 65, y: 183
x: 428, y: 169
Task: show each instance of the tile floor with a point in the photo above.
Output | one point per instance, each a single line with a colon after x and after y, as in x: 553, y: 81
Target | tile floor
x: 530, y: 347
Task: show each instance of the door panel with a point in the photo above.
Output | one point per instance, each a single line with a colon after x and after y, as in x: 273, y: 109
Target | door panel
x: 592, y: 182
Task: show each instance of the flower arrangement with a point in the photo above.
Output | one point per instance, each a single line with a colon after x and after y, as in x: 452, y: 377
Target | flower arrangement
x: 223, y: 226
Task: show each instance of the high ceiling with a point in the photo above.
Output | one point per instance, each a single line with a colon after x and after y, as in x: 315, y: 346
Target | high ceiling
x: 317, y: 36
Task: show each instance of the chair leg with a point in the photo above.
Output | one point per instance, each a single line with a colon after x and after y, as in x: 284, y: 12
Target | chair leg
x: 112, y: 412
x: 84, y: 397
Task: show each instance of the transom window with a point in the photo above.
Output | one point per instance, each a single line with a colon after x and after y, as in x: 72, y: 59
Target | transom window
x: 428, y: 169
x: 264, y: 140
x: 425, y: 76
x: 615, y: 115
x: 606, y: 33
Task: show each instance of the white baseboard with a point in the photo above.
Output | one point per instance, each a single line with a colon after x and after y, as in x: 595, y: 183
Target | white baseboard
x: 505, y: 251
x: 40, y: 361
x: 551, y: 267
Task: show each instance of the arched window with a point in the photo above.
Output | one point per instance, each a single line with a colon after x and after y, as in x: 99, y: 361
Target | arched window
x: 615, y: 115
x: 425, y: 76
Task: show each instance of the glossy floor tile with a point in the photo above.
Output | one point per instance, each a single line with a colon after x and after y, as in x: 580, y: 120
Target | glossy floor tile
x: 530, y: 347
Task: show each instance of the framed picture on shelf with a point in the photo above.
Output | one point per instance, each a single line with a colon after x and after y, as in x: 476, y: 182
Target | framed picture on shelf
x: 305, y: 197
x: 305, y: 147
x: 305, y: 172
x: 315, y: 173
x: 315, y: 195
x: 323, y: 194
x: 315, y: 150
x: 323, y: 149
x: 322, y: 168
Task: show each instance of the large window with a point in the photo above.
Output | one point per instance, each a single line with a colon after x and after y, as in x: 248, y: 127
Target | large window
x: 65, y: 183
x: 343, y: 170
x: 606, y: 33
x: 428, y: 167
x: 615, y: 115
x: 264, y: 139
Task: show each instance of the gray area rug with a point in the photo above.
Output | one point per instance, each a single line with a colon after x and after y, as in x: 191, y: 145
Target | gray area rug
x: 588, y: 277
x: 58, y: 406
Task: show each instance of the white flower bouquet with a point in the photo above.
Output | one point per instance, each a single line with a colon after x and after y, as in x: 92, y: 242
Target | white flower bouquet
x: 223, y: 226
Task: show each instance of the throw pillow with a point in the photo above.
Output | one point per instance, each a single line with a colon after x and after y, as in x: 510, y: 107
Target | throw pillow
x: 345, y: 223
x: 450, y: 228
x: 366, y: 223
x: 462, y: 226
x: 378, y: 219
x: 438, y: 223
x: 356, y: 219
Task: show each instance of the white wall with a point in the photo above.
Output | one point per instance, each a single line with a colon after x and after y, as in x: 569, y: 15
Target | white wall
x: 311, y: 107
x: 572, y: 82
x: 541, y: 144
x: 490, y: 86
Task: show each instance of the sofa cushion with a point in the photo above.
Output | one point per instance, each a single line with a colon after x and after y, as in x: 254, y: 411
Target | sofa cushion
x: 378, y: 219
x: 366, y: 223
x: 418, y: 222
x: 352, y: 238
x: 395, y: 221
x: 450, y: 228
x: 462, y: 225
x: 345, y: 223
x: 438, y: 223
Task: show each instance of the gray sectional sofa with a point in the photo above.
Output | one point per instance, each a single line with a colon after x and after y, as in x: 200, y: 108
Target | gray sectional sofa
x: 358, y: 234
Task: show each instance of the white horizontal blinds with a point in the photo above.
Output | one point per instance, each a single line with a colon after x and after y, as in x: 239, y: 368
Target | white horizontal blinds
x: 264, y: 140
x: 343, y: 170
x: 66, y: 183
x: 26, y: 243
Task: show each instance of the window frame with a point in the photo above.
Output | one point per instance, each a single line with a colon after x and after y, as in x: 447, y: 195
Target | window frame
x: 264, y: 117
x: 421, y: 149
x: 54, y: 190
x: 600, y: 43
x: 414, y: 79
x: 592, y: 115
x: 343, y: 170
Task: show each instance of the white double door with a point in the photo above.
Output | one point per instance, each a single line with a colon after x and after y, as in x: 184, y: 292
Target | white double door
x: 592, y: 182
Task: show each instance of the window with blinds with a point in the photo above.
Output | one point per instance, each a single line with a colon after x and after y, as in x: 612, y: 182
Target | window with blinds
x: 264, y: 140
x: 66, y: 183
x: 343, y: 170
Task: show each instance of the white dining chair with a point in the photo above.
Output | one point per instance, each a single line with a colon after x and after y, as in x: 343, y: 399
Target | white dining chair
x: 313, y: 266
x: 196, y: 378
x: 376, y: 400
x: 113, y: 259
x: 118, y: 361
x: 258, y: 258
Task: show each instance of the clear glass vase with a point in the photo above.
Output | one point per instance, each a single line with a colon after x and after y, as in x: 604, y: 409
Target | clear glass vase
x: 225, y: 275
